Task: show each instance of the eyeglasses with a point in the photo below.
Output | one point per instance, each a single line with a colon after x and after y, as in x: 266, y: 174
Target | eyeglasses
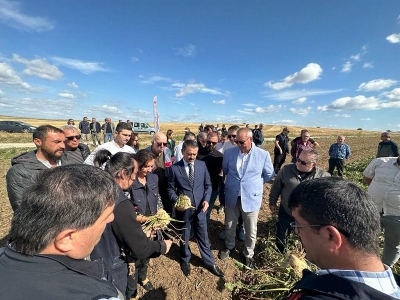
x: 304, y: 163
x: 242, y: 142
x: 211, y: 143
x: 162, y: 144
x: 296, y: 228
x: 71, y: 138
x: 231, y: 136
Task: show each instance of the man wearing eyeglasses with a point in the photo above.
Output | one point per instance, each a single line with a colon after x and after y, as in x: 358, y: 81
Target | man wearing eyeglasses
x: 159, y: 147
x: 213, y: 162
x: 287, y: 179
x: 339, y: 227
x: 49, y: 142
x: 75, y: 152
x: 231, y: 142
x: 246, y: 168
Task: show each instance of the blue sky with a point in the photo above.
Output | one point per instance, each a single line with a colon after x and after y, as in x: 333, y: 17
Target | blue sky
x: 307, y: 63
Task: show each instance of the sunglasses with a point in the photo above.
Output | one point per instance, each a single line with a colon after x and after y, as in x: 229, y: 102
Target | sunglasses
x: 231, y: 136
x: 211, y: 143
x: 242, y: 142
x: 162, y: 144
x: 303, y: 162
x: 71, y: 138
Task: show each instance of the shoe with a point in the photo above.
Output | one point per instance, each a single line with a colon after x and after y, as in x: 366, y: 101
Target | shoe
x: 185, y: 267
x: 215, y: 271
x: 221, y: 210
x: 224, y: 254
x: 134, y: 296
x: 248, y: 261
x: 147, y: 285
x: 222, y: 235
x: 240, y: 234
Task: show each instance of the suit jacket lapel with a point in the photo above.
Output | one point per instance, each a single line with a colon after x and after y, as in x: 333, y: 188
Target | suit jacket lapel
x: 183, y: 171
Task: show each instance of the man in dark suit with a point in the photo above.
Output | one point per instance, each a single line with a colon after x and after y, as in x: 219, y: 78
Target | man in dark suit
x: 190, y: 177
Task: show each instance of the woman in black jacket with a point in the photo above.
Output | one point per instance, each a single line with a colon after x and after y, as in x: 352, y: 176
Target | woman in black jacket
x: 124, y: 232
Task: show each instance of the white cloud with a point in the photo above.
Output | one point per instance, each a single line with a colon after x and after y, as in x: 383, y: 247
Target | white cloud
x: 219, y: 101
x: 187, y: 51
x: 10, y: 15
x: 393, y: 95
x: 309, y: 73
x: 342, y: 116
x: 249, y: 104
x: 366, y: 119
x: 393, y: 38
x: 299, y: 111
x: 9, y: 76
x: 154, y: 79
x: 301, y: 100
x: 81, y: 66
x: 346, y: 68
x: 368, y: 65
x: 376, y: 85
x: 192, y: 88
x: 66, y: 94
x: 352, y: 103
x: 139, y: 112
x: 134, y: 59
x: 39, y: 67
x: 73, y: 85
x: 267, y: 109
x: 105, y: 110
x: 246, y: 112
x: 295, y: 94
x: 284, y: 122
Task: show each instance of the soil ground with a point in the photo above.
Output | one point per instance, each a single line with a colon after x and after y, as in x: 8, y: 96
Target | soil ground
x: 165, y: 273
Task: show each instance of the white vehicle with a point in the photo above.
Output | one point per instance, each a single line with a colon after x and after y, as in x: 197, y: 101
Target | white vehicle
x: 140, y: 127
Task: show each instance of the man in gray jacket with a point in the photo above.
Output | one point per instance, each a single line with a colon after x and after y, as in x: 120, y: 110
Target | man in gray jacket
x: 288, y: 178
x: 49, y: 141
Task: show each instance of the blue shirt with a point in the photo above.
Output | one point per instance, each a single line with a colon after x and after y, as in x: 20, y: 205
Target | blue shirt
x: 340, y: 152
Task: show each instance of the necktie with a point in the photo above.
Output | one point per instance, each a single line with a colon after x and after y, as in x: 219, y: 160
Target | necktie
x: 191, y: 174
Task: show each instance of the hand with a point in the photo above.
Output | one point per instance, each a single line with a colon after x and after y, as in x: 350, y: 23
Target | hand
x: 272, y: 208
x: 168, y: 243
x: 205, y: 206
x: 280, y: 151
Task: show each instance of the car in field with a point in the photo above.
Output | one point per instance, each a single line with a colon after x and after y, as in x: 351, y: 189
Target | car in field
x: 16, y: 126
x: 141, y: 127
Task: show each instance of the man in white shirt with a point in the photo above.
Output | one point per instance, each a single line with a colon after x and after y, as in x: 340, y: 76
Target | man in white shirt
x: 382, y: 176
x: 178, y: 149
x: 122, y: 135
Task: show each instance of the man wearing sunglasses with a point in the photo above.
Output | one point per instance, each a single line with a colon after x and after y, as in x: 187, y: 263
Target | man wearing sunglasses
x: 287, y: 179
x: 246, y: 168
x: 159, y: 147
x: 213, y: 162
x: 339, y: 227
x: 49, y: 142
x: 75, y: 152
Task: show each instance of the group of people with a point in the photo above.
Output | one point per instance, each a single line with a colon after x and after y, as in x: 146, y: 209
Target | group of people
x: 71, y: 204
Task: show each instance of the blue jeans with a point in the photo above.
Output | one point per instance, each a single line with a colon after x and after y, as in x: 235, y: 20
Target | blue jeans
x: 213, y: 197
x: 108, y: 137
x: 283, y: 228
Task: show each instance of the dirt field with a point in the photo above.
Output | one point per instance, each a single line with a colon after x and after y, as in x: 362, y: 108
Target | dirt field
x: 165, y: 272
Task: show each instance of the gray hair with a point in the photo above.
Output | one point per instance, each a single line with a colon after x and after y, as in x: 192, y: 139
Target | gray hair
x: 313, y: 152
x: 69, y: 127
x: 189, y: 144
x: 248, y: 132
x: 66, y: 197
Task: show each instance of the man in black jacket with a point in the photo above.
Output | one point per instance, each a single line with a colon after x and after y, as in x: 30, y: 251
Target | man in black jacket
x: 339, y: 227
x: 258, y: 136
x: 75, y: 152
x: 49, y: 141
x: 61, y: 218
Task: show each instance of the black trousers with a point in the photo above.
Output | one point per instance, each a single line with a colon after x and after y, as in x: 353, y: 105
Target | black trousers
x: 279, y: 159
x: 338, y: 163
x: 140, y: 274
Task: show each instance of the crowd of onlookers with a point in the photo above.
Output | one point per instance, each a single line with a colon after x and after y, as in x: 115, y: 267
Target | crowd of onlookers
x: 79, y: 214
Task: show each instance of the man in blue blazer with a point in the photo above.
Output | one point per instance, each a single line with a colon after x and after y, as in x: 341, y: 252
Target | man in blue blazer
x: 190, y: 177
x: 246, y: 168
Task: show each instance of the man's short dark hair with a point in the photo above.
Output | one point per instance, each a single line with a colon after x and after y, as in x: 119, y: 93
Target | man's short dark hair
x: 66, y: 197
x: 123, y: 126
x: 234, y: 127
x: 41, y: 132
x: 189, y: 144
x: 340, y: 203
x: 189, y: 134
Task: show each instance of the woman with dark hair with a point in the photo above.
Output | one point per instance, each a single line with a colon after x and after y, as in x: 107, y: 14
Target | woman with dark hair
x: 171, y: 142
x: 134, y: 141
x: 124, y: 232
x: 146, y: 197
